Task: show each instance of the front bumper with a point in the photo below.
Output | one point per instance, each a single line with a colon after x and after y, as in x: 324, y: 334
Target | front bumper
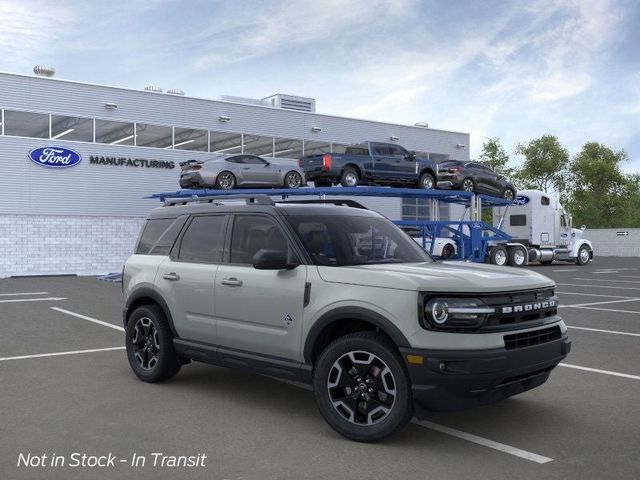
x: 454, y: 380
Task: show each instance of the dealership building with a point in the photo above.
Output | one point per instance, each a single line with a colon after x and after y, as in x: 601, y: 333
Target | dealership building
x: 127, y: 144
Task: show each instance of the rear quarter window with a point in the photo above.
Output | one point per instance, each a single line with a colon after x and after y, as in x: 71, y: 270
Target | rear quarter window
x: 151, y: 232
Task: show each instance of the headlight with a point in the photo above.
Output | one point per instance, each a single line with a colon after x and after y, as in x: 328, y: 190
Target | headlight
x: 456, y: 312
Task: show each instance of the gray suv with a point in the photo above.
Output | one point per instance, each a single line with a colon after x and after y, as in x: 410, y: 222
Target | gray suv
x: 339, y: 298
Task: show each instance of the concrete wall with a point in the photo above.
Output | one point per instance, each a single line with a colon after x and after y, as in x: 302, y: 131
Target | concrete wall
x: 607, y: 242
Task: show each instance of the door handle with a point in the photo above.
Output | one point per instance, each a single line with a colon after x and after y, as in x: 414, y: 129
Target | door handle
x: 173, y: 276
x: 231, y: 282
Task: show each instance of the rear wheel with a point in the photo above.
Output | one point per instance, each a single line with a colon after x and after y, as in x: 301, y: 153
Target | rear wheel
x: 468, y: 185
x: 517, y: 256
x: 498, y: 255
x: 362, y: 388
x: 349, y: 178
x: 426, y: 181
x: 293, y: 179
x: 226, y: 180
x: 149, y: 345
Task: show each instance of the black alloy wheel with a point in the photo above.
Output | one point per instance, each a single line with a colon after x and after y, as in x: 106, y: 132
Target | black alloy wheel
x: 293, y: 179
x: 226, y: 180
x: 448, y: 251
x: 149, y: 345
x: 362, y: 388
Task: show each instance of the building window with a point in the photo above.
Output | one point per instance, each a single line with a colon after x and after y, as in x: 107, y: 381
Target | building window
x: 156, y: 136
x: 420, y: 209
x: 226, y: 143
x: 72, y: 128
x: 115, y: 133
x: 316, y: 148
x: 191, y: 139
x: 26, y: 124
x: 287, y: 148
x: 257, y: 145
x: 338, y: 147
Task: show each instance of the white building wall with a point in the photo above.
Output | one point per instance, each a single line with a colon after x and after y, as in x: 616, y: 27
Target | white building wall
x: 54, y: 245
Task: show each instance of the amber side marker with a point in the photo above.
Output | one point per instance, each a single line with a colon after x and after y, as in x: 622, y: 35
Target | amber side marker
x: 415, y: 359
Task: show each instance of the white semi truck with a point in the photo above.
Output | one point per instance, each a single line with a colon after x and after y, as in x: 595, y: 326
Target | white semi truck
x: 541, y: 232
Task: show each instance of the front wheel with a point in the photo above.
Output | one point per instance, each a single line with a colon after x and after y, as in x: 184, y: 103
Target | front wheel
x: 149, y: 345
x: 293, y: 179
x: 426, y: 181
x: 508, y: 194
x: 362, y: 388
x: 448, y: 251
x: 584, y: 255
x: 468, y: 185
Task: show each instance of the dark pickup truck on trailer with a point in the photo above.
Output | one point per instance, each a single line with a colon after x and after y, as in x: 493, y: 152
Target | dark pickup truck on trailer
x: 370, y: 163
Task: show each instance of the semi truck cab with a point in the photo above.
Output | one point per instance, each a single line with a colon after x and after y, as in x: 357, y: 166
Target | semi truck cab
x: 539, y: 223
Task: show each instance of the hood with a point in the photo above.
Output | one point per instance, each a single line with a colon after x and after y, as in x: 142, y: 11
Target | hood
x: 450, y: 277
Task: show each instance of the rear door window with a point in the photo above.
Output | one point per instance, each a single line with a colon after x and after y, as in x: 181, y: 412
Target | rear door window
x: 203, y: 240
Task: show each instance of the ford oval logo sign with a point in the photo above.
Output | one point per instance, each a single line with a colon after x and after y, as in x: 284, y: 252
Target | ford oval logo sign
x: 55, y: 157
x: 521, y: 200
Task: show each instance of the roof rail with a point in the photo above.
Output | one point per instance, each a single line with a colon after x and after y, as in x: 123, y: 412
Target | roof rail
x: 330, y: 201
x: 250, y: 200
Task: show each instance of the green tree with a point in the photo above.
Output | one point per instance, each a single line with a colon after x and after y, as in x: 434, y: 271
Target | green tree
x: 600, y: 193
x: 546, y: 164
x: 495, y: 157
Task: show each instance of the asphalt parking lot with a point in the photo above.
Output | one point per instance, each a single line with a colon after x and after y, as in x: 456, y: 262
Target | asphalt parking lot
x: 66, y: 387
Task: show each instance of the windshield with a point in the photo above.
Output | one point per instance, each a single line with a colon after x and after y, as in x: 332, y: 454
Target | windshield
x: 345, y: 240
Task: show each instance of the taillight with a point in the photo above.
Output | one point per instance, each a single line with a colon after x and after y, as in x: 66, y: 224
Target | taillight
x: 197, y: 166
x: 299, y: 162
x: 326, y: 161
x: 455, y: 169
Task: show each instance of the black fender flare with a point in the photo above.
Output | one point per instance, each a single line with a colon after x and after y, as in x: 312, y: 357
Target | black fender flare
x: 148, y: 292
x: 351, y: 313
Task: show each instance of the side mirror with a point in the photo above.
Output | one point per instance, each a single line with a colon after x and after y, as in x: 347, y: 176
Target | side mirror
x: 272, y: 260
x: 410, y: 156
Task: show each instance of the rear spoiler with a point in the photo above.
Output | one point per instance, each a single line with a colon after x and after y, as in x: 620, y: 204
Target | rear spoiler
x: 190, y: 162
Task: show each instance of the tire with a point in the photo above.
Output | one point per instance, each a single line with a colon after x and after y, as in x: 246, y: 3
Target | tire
x: 380, y: 372
x: 508, y: 193
x: 468, y: 185
x: 448, y: 251
x: 149, y: 345
x: 349, y: 178
x: 225, y: 180
x: 498, y: 256
x: 322, y: 182
x: 292, y: 179
x: 426, y: 182
x: 517, y: 257
x: 584, y: 255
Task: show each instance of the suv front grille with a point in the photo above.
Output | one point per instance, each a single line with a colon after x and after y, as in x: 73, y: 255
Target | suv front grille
x: 534, y: 337
x: 519, y: 307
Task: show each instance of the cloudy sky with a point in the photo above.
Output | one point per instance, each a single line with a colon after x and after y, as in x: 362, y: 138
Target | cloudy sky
x: 511, y: 69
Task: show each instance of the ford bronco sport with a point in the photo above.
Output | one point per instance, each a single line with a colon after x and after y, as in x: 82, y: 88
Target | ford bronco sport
x: 339, y: 298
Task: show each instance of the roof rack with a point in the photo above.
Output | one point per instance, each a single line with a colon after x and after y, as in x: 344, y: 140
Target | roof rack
x: 218, y: 199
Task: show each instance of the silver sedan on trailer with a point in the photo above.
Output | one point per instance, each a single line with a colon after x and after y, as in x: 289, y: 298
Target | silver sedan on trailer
x: 231, y: 171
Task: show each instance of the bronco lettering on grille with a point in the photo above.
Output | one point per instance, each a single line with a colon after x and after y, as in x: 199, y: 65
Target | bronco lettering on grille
x: 529, y: 307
